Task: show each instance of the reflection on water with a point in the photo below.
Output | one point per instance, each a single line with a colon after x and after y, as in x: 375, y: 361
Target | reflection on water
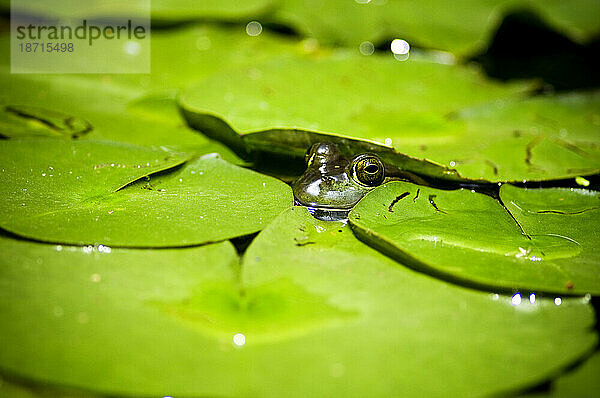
x: 324, y: 214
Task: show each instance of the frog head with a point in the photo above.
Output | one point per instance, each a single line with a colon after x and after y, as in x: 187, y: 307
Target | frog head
x: 333, y: 181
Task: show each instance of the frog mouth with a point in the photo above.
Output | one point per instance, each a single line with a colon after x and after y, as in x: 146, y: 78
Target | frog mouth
x: 326, y: 213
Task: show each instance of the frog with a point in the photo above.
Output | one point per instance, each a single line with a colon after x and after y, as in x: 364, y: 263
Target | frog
x: 333, y: 182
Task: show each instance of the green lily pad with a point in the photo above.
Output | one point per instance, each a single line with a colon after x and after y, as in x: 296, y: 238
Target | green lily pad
x: 310, y: 299
x: 82, y: 193
x: 547, y: 137
x: 471, y: 238
x: 367, y: 98
x: 402, y: 321
x: 61, y: 106
x: 98, y: 326
x: 461, y: 27
x: 347, y: 94
x: 564, y: 213
x: 136, y: 108
x: 201, y: 51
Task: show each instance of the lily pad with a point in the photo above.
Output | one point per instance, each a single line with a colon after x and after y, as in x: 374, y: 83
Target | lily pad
x: 471, y: 238
x: 137, y: 108
x: 403, y: 323
x: 540, y: 138
x: 84, y: 193
x: 368, y: 98
x: 58, y: 107
x: 294, y: 315
x: 97, y: 323
x: 564, y: 213
x: 461, y: 27
x: 201, y: 51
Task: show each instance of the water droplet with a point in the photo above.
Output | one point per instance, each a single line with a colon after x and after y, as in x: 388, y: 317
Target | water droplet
x: 254, y: 28
x: 587, y: 298
x: 388, y: 141
x: 104, y: 249
x: 516, y: 299
x: 43, y: 174
x: 366, y: 48
x: 239, y: 339
x: 59, y: 248
x: 452, y: 163
x: 400, y: 47
x: 96, y: 278
x: 532, y: 298
x: 557, y: 301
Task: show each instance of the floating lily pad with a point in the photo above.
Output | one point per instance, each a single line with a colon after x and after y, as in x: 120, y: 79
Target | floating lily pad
x: 469, y: 237
x: 564, y: 213
x: 60, y: 106
x: 201, y: 51
x: 546, y: 137
x: 75, y: 192
x: 368, y: 98
x: 461, y: 27
x: 401, y: 322
x: 97, y: 323
x: 137, y: 108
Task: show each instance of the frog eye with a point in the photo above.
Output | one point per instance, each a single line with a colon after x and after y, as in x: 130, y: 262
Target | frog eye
x: 368, y: 170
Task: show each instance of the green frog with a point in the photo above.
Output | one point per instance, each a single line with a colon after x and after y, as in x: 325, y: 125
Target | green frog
x: 333, y: 183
